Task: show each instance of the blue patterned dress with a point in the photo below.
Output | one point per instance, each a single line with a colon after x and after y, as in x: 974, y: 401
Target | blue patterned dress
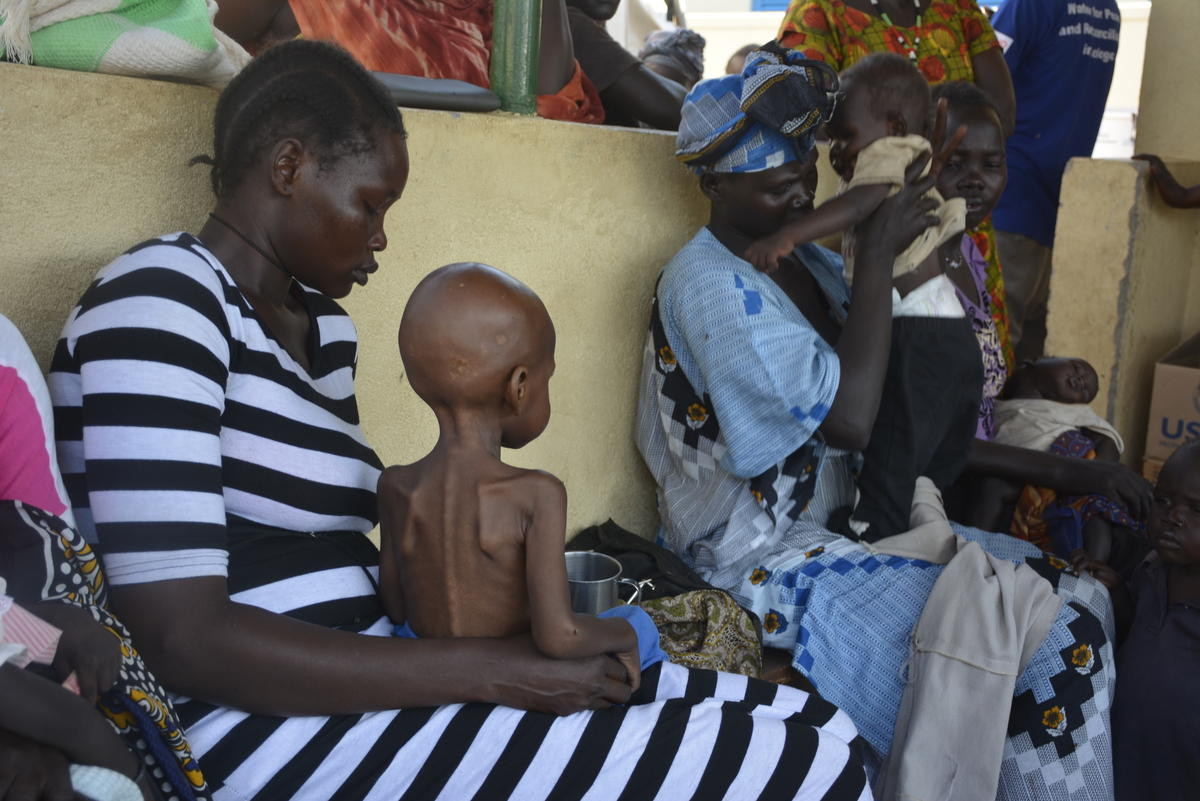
x: 735, y: 384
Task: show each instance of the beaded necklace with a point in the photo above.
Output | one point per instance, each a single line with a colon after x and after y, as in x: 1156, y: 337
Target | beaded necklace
x: 912, y: 48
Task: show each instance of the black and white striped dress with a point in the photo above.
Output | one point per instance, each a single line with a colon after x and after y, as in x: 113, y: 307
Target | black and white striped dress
x: 192, y: 444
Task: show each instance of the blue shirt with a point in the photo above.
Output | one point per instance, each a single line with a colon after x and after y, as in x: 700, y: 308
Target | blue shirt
x: 1061, y: 58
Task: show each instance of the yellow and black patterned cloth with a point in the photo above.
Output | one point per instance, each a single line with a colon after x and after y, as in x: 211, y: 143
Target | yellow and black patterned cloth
x: 44, y: 559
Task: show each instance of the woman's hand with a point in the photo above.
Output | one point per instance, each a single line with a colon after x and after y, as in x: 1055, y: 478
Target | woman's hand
x: 527, y: 680
x: 898, y: 221
x: 1113, y: 480
x: 87, y: 649
x: 31, y: 771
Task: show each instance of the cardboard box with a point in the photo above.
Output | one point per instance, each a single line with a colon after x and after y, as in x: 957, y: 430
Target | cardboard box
x: 1174, y: 402
x: 1150, y: 470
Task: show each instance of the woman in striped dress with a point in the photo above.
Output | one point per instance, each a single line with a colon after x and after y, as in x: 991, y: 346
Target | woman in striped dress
x: 210, y: 440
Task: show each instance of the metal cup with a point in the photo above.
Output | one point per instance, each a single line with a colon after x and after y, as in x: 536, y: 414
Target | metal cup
x: 593, y: 578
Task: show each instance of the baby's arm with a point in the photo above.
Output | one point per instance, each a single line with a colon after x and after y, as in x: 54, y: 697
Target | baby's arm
x: 1106, y: 449
x: 559, y: 632
x: 393, y: 512
x: 834, y: 216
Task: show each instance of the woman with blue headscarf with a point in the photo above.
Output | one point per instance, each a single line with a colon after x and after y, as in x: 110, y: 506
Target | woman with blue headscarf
x: 757, y: 391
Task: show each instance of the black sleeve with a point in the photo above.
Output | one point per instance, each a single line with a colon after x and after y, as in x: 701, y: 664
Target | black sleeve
x: 600, y: 56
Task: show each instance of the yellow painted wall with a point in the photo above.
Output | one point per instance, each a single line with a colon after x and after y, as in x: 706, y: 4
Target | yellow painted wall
x: 92, y: 164
x: 1169, y: 109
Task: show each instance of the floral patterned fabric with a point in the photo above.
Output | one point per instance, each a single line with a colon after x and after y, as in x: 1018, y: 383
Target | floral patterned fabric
x: 984, y: 237
x: 951, y: 32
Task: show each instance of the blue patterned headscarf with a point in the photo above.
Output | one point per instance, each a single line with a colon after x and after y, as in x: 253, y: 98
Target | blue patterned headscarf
x: 760, y: 119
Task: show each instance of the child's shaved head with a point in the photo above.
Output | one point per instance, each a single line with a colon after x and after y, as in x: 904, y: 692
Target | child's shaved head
x: 464, y: 330
x: 895, y: 87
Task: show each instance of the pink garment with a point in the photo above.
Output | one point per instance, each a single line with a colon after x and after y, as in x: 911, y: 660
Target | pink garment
x: 25, y: 471
x: 38, y: 640
x: 25, y: 638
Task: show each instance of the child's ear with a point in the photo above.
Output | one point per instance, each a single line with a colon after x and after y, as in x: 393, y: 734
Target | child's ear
x: 896, y: 124
x: 710, y: 185
x: 517, y: 388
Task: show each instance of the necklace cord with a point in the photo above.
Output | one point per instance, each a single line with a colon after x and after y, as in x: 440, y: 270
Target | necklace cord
x: 270, y: 259
x: 912, y: 53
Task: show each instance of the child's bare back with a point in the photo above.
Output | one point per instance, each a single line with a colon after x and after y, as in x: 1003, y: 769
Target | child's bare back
x: 470, y: 546
x: 453, y: 560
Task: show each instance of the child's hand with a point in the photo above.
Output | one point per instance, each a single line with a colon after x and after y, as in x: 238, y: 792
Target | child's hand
x: 1097, y: 570
x: 86, y: 648
x: 766, y: 253
x: 632, y: 662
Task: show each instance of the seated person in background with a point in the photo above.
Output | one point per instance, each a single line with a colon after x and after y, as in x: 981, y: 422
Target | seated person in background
x: 632, y: 93
x: 470, y: 546
x: 930, y: 404
x: 425, y: 38
x: 737, y: 62
x: 1156, y: 752
x: 1173, y: 193
x: 1044, y: 407
x: 677, y: 55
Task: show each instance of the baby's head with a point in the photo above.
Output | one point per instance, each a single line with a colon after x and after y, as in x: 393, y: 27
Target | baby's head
x: 475, y: 339
x: 1062, y: 380
x: 1175, y: 517
x: 883, y: 95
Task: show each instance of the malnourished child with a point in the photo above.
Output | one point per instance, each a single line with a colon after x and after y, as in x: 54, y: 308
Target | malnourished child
x: 471, y: 546
x: 930, y: 403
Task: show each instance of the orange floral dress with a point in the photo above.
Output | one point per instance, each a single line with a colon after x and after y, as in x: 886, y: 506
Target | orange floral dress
x: 951, y: 33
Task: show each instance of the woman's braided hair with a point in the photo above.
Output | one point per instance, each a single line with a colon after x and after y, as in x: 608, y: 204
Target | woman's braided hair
x: 314, y: 91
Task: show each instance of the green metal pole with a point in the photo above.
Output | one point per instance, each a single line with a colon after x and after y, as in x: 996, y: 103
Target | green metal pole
x: 516, y: 33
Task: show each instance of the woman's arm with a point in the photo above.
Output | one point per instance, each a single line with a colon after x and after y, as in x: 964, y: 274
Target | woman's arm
x: 556, y: 53
x: 1062, y: 474
x: 200, y: 643
x: 647, y: 97
x: 1173, y: 193
x: 993, y: 78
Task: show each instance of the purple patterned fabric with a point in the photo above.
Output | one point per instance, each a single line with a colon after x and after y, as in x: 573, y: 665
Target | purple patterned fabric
x: 994, y: 371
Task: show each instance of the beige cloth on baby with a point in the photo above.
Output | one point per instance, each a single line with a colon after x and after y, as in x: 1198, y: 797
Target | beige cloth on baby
x: 1035, y: 423
x: 884, y: 162
x: 980, y: 627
